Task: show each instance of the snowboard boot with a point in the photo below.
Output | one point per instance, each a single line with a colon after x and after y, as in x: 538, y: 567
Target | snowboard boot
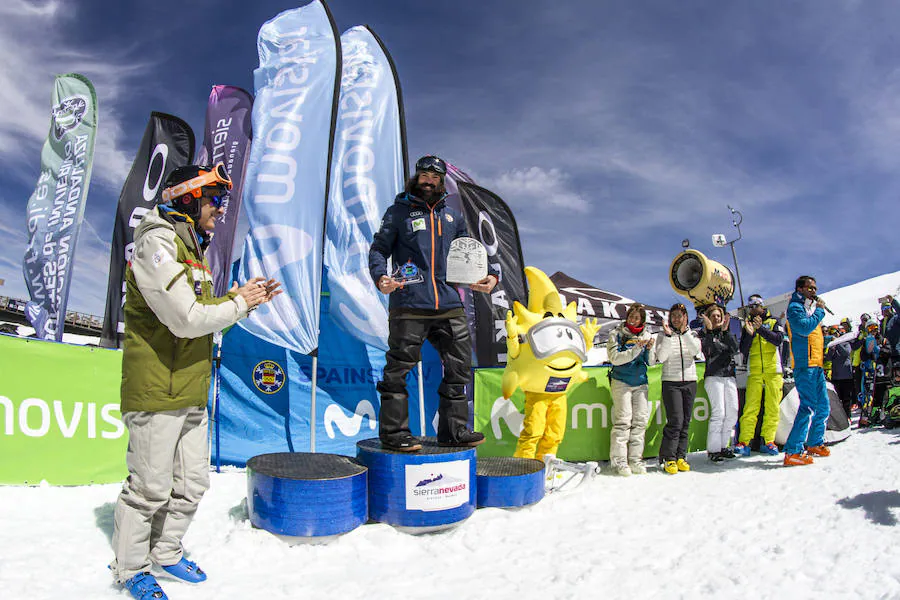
x: 742, y: 449
x: 185, y: 570
x: 401, y: 442
x: 770, y: 449
x: 670, y: 467
x: 818, y: 451
x: 716, y: 457
x: 728, y: 452
x: 682, y: 465
x: 464, y: 439
x: 795, y: 460
x: 143, y: 586
x: 622, y: 469
x: 637, y: 467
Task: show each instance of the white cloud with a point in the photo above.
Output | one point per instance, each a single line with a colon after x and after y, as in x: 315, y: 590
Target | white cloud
x: 539, y: 186
x: 34, y: 49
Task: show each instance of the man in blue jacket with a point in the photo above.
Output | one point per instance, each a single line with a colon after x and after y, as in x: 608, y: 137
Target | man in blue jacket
x: 805, y: 313
x: 415, y: 234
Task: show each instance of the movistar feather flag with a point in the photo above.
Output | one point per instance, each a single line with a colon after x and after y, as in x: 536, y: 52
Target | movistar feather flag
x: 287, y: 175
x: 56, y: 207
x: 227, y: 140
x: 368, y: 170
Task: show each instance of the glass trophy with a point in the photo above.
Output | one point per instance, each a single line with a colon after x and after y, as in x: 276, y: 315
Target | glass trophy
x: 466, y: 261
x: 407, y: 274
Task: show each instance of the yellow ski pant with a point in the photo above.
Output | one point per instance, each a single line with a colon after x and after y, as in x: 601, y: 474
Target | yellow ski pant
x: 544, y: 426
x: 773, y: 383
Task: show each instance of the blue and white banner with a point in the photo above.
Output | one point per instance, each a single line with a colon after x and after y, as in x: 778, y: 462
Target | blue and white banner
x: 56, y: 207
x: 368, y: 170
x: 286, y: 184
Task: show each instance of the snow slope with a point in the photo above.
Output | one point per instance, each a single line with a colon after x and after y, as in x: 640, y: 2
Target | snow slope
x: 748, y: 528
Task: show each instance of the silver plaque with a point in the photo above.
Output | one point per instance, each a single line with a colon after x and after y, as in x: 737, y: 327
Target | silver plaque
x: 467, y: 261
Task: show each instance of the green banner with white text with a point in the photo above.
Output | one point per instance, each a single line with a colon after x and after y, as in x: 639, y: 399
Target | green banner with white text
x: 59, y: 414
x: 589, y: 418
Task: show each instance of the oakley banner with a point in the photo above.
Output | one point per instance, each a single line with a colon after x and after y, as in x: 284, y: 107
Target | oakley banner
x: 56, y: 207
x: 287, y: 175
x: 226, y: 140
x: 168, y: 143
x: 368, y: 169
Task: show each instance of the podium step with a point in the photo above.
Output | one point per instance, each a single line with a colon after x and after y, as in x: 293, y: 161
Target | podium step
x: 508, y: 482
x: 419, y: 492
x: 301, y: 494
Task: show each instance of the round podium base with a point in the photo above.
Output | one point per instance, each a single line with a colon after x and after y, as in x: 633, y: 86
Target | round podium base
x: 508, y: 482
x: 419, y: 492
x: 299, y: 494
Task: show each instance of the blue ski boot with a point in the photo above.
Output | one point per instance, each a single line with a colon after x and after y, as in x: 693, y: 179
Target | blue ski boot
x: 185, y: 570
x: 143, y: 586
x: 770, y: 449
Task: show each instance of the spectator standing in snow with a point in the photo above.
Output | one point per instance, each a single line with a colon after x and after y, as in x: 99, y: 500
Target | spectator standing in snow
x: 805, y: 313
x: 719, y: 348
x: 840, y: 354
x: 628, y: 348
x: 676, y: 348
x: 761, y: 341
x: 170, y: 317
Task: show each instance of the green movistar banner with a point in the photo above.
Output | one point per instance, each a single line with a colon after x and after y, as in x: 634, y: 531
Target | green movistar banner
x: 59, y: 414
x: 589, y: 416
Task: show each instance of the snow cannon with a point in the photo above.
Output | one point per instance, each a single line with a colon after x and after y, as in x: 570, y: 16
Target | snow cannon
x: 702, y: 280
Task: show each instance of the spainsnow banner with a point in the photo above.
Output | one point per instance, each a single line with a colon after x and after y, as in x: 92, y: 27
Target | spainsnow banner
x: 226, y: 139
x: 368, y: 169
x: 56, y: 207
x: 287, y: 179
x: 65, y: 429
x: 589, y: 419
x: 491, y: 222
x: 168, y: 143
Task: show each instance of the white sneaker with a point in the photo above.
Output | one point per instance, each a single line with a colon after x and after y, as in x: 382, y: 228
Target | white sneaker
x: 623, y: 470
x: 638, y: 468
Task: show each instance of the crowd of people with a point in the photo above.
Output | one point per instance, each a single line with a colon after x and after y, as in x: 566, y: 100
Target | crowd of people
x: 862, y: 364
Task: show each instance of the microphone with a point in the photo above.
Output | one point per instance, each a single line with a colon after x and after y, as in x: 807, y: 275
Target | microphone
x: 828, y: 310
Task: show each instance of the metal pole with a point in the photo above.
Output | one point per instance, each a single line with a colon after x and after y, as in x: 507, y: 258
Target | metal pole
x: 312, y: 404
x: 737, y: 273
x: 421, y: 402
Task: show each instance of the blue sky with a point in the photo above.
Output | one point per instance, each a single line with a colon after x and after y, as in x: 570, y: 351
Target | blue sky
x: 612, y: 129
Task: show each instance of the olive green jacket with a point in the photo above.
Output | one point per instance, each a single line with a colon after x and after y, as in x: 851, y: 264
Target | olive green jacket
x: 170, y: 317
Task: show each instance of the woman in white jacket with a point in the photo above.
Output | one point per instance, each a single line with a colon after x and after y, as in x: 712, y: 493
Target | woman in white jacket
x: 676, y: 348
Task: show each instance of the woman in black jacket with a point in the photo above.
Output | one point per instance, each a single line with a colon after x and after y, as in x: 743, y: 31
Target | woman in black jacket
x: 719, y: 348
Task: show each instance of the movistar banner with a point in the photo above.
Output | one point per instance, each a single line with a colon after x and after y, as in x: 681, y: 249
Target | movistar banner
x: 56, y: 207
x: 226, y: 139
x: 65, y: 428
x: 368, y: 169
x: 589, y: 419
x: 287, y: 175
x: 168, y: 143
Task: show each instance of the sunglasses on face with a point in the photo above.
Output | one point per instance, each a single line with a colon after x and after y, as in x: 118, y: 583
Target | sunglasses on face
x: 216, y: 200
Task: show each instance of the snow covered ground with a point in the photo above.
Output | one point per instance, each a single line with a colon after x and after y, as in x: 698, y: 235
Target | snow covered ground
x: 749, y: 528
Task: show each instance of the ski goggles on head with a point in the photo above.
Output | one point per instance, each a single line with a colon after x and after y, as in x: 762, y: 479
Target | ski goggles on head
x: 216, y: 176
x: 554, y: 336
x: 431, y: 163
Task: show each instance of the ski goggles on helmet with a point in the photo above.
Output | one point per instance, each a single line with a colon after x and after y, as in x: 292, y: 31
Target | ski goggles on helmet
x: 215, y: 176
x: 555, y: 335
x: 431, y: 163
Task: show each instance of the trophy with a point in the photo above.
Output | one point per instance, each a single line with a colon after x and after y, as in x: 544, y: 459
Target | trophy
x: 466, y: 261
x: 407, y: 274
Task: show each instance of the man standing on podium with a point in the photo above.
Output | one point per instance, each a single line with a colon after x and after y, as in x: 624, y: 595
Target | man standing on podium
x: 415, y: 234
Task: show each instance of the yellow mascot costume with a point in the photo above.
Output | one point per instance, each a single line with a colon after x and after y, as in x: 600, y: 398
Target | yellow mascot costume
x: 545, y: 349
